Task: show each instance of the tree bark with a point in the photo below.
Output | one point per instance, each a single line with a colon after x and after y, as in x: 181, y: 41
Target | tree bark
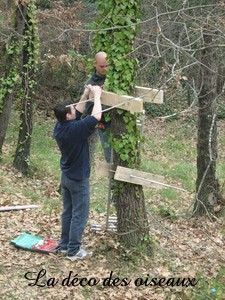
x: 22, y: 154
x: 4, y: 118
x: 132, y: 221
x: 207, y: 185
x: 11, y: 63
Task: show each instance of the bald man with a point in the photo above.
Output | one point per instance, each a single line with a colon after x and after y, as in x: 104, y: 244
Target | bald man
x: 101, y: 65
x: 98, y: 78
x: 99, y: 75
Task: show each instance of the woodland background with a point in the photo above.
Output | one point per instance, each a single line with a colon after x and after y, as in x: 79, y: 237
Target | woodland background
x: 184, y: 246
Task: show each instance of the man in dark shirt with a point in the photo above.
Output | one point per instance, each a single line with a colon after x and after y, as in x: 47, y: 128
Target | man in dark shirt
x: 71, y: 134
x: 98, y: 78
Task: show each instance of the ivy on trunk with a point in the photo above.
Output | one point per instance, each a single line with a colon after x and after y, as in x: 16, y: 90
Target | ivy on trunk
x: 29, y: 60
x: 120, y: 17
x: 10, y: 80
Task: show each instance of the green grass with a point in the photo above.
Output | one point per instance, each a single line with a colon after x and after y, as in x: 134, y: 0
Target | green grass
x: 221, y: 170
x: 44, y: 158
x: 32, y: 195
x: 44, y: 152
x: 173, y: 156
x: 169, y: 194
x: 51, y: 205
x: 183, y: 172
x: 44, y: 162
x: 87, y: 292
x: 9, y: 188
x: 180, y: 171
x: 166, y: 212
x: 177, y: 148
x: 215, y: 289
x: 155, y: 167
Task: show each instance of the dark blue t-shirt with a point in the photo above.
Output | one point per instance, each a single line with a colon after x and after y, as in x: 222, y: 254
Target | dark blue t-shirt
x: 72, y: 139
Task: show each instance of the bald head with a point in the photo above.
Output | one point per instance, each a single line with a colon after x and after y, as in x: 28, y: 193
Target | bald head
x: 101, y: 65
x: 100, y: 55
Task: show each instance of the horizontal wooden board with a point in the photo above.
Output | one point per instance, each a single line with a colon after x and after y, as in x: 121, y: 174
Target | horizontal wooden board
x: 138, y: 177
x: 142, y: 178
x: 131, y: 104
x: 17, y: 207
x: 149, y: 94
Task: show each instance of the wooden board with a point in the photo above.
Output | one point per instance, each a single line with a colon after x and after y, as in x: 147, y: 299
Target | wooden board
x: 131, y: 104
x: 149, y: 94
x: 17, y: 207
x: 143, y: 178
x: 138, y: 177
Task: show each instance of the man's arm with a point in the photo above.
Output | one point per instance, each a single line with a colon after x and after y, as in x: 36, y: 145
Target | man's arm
x: 81, y: 105
x: 97, y: 109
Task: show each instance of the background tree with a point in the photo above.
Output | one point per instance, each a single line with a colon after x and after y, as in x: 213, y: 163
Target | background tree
x: 208, y: 194
x: 11, y: 75
x: 30, y: 61
x: 185, y: 45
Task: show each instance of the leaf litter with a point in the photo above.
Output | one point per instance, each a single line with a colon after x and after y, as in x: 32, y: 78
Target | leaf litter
x: 182, y: 248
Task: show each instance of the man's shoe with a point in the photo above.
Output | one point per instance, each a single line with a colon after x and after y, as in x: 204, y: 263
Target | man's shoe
x: 58, y: 250
x: 81, y: 254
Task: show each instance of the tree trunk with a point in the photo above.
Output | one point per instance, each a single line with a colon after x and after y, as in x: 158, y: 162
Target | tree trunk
x: 207, y: 185
x: 131, y: 213
x: 4, y: 118
x: 22, y: 155
x: 11, y: 71
x: 132, y: 221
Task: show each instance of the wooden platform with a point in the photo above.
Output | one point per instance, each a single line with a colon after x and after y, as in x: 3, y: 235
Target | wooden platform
x: 133, y: 105
x: 138, y: 177
x: 149, y: 94
x: 143, y: 178
x: 17, y: 207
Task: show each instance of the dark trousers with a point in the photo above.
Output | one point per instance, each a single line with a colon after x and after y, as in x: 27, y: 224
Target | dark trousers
x: 74, y: 217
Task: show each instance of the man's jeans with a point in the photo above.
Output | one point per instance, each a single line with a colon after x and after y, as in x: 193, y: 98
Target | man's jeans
x: 75, y: 195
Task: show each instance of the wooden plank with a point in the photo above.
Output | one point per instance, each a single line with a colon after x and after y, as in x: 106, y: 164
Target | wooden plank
x: 142, y: 178
x: 138, y: 177
x: 149, y: 94
x: 131, y: 104
x: 17, y: 207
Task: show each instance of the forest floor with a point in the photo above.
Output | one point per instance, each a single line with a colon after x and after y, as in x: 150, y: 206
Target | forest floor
x: 184, y: 246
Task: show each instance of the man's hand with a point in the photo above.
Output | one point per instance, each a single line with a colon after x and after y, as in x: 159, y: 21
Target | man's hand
x: 86, y: 91
x: 85, y: 96
x: 97, y: 109
x: 95, y: 90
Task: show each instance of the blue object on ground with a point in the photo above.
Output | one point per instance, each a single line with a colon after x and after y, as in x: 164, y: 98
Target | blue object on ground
x: 26, y: 240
